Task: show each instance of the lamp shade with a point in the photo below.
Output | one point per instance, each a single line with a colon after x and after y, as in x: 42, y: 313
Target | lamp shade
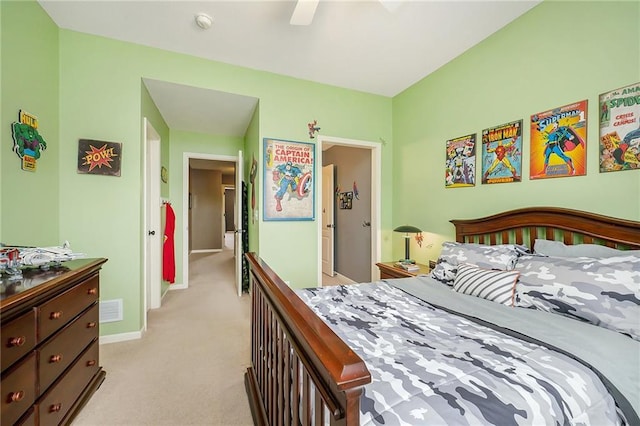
x: 407, y: 228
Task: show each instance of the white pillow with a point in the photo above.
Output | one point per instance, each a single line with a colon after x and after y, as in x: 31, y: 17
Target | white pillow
x: 497, y: 286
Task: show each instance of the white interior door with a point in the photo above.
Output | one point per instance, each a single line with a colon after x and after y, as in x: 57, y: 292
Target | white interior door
x: 328, y: 224
x: 238, y: 222
x: 152, y: 229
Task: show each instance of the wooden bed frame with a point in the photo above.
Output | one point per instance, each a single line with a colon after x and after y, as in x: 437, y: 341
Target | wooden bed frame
x: 301, y: 373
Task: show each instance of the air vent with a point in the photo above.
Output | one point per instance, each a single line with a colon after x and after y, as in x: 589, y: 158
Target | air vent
x: 111, y: 310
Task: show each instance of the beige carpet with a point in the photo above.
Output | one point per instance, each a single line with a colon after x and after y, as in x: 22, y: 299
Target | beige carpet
x: 188, y: 368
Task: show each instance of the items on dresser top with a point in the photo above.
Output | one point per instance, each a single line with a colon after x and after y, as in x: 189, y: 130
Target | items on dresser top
x: 50, y: 328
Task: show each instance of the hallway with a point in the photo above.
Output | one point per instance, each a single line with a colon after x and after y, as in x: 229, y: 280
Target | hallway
x: 188, y: 368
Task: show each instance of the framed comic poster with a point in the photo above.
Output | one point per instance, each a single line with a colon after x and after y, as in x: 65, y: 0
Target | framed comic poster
x: 620, y: 129
x: 460, y: 166
x: 288, y: 180
x: 502, y: 153
x: 99, y: 157
x: 559, y: 142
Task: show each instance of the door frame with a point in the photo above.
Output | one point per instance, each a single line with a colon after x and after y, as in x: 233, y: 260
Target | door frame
x: 186, y: 156
x: 152, y: 258
x: 330, y: 223
x: 376, y: 187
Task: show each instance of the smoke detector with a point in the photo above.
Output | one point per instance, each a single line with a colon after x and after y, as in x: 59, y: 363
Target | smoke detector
x: 204, y: 21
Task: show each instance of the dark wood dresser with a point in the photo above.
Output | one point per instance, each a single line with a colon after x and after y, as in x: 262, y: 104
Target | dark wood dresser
x: 49, y: 333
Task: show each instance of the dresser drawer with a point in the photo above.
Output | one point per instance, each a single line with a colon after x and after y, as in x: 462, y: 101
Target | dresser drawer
x: 55, y: 313
x: 18, y: 389
x: 29, y: 419
x: 64, y: 346
x: 18, y: 337
x: 55, y: 404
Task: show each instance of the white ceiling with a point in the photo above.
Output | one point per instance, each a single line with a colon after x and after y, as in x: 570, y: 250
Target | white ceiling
x: 363, y: 45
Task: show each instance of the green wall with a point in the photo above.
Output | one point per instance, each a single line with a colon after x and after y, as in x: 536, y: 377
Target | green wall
x: 29, y: 82
x: 86, y: 92
x: 251, y: 151
x: 151, y: 113
x: 536, y: 63
x: 100, y: 99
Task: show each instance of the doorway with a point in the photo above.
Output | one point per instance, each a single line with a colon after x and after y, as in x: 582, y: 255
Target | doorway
x: 152, y: 246
x: 227, y: 171
x: 371, y: 223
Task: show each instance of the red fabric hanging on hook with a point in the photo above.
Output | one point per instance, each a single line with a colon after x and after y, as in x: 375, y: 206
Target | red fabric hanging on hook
x: 168, y: 252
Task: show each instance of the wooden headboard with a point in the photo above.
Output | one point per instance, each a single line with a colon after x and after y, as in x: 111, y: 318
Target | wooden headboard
x: 524, y: 226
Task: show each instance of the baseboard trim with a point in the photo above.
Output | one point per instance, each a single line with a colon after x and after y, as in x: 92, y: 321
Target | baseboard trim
x: 178, y: 287
x: 206, y: 251
x: 120, y: 337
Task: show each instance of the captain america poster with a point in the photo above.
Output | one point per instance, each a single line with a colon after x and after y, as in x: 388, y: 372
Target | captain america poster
x: 288, y: 180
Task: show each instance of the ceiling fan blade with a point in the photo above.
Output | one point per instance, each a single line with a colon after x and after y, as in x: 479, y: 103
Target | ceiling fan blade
x: 304, y: 11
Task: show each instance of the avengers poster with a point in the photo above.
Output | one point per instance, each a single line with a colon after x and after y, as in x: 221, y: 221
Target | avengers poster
x: 559, y: 142
x: 288, y: 180
x: 460, y: 166
x: 620, y: 129
x: 502, y: 153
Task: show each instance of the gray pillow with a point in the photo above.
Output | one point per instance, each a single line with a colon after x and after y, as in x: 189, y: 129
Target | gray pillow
x: 502, y: 257
x: 560, y: 249
x: 601, y: 291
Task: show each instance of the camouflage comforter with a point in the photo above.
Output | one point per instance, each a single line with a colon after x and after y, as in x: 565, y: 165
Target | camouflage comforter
x: 431, y: 367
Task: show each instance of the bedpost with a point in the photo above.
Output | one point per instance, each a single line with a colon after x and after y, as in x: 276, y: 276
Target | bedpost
x: 301, y: 372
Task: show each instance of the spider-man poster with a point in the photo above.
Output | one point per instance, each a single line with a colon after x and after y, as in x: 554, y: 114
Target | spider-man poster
x: 559, y: 142
x: 620, y: 129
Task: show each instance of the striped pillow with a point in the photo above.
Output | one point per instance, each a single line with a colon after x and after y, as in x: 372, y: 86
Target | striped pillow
x: 497, y: 286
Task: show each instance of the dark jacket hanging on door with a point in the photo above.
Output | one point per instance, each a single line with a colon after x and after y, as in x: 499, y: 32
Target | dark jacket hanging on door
x: 168, y: 253
x: 245, y: 237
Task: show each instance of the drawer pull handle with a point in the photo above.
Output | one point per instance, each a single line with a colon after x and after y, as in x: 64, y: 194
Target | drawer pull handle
x: 92, y: 291
x: 91, y: 324
x: 17, y: 341
x: 16, y: 396
x: 55, y: 408
x: 55, y: 315
x: 91, y: 363
x: 55, y: 358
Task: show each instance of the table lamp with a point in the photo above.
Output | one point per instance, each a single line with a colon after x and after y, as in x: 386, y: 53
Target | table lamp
x: 407, y: 229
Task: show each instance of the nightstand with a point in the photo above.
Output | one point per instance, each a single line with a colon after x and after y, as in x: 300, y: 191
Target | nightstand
x: 390, y: 270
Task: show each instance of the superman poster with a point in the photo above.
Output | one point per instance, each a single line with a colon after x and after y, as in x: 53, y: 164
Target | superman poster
x: 620, y: 129
x: 502, y: 153
x: 559, y: 142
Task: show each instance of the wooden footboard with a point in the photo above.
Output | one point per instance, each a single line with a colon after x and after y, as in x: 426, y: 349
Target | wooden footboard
x: 301, y: 373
